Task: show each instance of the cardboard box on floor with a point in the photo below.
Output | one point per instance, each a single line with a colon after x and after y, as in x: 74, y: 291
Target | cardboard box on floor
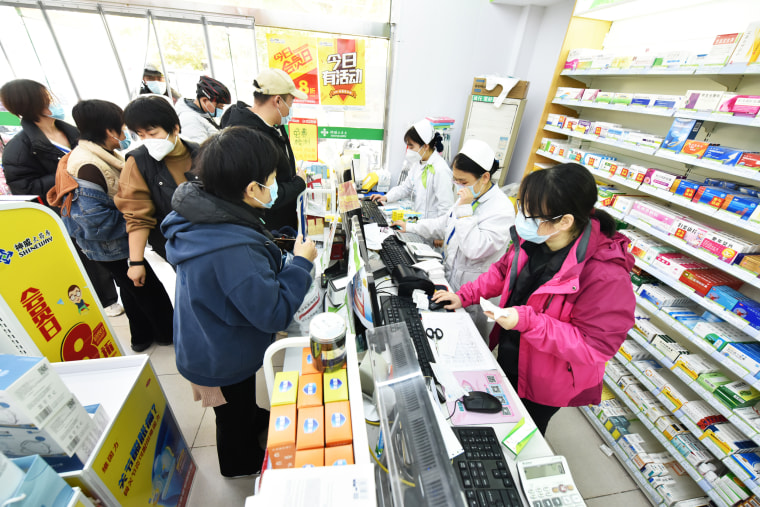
x: 520, y: 90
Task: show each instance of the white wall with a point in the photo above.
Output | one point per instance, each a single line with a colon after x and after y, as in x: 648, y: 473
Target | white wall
x: 540, y: 49
x: 442, y: 44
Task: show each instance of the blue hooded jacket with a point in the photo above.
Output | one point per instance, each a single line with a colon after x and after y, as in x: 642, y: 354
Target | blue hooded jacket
x: 232, y: 293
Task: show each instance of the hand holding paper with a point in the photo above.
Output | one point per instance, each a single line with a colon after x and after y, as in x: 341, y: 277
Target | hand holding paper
x: 505, y: 317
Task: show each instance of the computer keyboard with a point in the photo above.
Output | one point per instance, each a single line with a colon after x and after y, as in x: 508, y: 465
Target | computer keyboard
x: 396, y: 309
x: 371, y: 213
x: 483, y: 472
x: 394, y: 253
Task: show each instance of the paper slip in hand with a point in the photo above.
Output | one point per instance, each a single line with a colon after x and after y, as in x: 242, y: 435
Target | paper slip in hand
x: 487, y: 306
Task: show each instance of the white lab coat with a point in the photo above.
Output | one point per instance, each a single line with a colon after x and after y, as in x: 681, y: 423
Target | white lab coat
x: 195, y: 126
x: 473, y: 240
x: 433, y: 201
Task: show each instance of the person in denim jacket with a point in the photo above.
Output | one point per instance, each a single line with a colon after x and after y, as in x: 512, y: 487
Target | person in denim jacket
x: 87, y: 180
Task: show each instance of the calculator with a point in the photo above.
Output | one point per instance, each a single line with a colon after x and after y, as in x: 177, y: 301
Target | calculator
x: 547, y: 482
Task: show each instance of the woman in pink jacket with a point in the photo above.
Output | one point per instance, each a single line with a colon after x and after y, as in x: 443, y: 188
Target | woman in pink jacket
x: 565, y: 282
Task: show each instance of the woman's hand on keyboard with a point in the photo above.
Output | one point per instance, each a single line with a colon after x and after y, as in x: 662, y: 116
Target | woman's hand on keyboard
x: 450, y: 297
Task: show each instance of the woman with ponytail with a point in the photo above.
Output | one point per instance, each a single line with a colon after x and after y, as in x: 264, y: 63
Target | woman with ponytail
x: 565, y: 286
x: 475, y: 231
x: 428, y: 184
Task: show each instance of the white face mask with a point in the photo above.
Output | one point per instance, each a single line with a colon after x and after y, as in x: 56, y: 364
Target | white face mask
x: 413, y: 157
x: 157, y: 87
x: 159, y: 148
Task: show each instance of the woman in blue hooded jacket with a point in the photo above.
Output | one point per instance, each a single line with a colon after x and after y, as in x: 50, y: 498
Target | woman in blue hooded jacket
x: 234, y: 290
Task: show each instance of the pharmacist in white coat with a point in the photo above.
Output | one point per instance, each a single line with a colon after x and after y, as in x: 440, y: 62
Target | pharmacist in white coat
x: 429, y: 181
x: 476, y: 228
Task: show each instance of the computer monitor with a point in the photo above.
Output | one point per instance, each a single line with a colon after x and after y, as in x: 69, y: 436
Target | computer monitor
x: 362, y: 300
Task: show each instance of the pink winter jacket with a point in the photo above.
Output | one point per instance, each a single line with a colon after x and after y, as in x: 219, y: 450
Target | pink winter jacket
x: 572, y: 324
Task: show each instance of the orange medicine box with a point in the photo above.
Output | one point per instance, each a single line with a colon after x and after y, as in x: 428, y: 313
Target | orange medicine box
x: 335, y: 386
x: 308, y: 458
x: 338, y: 424
x: 307, y: 362
x: 281, y: 442
x: 311, y: 428
x: 341, y: 455
x: 310, y: 391
x: 285, y: 390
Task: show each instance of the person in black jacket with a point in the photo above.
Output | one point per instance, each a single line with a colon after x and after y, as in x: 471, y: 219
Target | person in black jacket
x: 31, y: 157
x: 273, y: 97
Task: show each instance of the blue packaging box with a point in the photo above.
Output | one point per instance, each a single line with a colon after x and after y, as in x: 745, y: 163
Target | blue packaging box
x: 750, y: 462
x: 726, y: 296
x: 753, y: 191
x: 711, y: 317
x: 713, y: 182
x: 669, y: 104
x: 688, y: 188
x: 680, y: 131
x: 741, y: 205
x: 750, y: 311
x: 722, y: 154
x: 707, y: 194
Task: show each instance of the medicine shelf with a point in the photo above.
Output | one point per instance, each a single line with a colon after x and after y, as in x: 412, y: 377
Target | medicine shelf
x: 743, y: 121
x: 725, y: 70
x: 685, y: 464
x: 660, y: 153
x: 634, y: 472
x: 692, y: 384
x: 708, y: 304
x: 708, y: 211
x: 726, y: 459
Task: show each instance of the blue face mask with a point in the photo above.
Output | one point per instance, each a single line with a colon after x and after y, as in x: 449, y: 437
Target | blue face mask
x: 123, y: 145
x: 56, y: 111
x: 219, y: 112
x: 286, y: 119
x: 527, y: 228
x: 272, y: 195
x: 474, y: 193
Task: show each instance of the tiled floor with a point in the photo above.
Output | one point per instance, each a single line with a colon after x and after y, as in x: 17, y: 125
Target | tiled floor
x: 600, y: 479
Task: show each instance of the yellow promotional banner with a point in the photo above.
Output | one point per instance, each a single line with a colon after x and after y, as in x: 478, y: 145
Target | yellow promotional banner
x: 297, y: 56
x: 144, y: 460
x: 46, y: 302
x: 342, y: 72
x: 303, y: 138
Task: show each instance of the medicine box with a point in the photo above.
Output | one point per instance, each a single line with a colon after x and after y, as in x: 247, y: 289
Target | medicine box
x: 335, y: 386
x: 655, y: 412
x: 338, y: 424
x: 662, y: 180
x: 703, y: 280
x: 750, y: 262
x: 724, y: 155
x: 622, y: 99
x: 691, y: 448
x: 690, y: 231
x: 642, y: 99
x: 308, y: 458
x: 670, y: 427
x: 281, y: 439
x: 713, y: 196
x: 718, y: 334
x: 699, y: 410
x: 310, y: 391
x: 680, y: 131
x: 339, y: 455
x: 747, y: 355
x: 741, y: 205
x: 694, y: 148
x: 726, y: 297
x: 737, y: 394
x: 311, y: 428
x: 667, y: 101
x: 566, y: 93
x: 712, y: 381
x: 659, y: 217
x: 694, y: 365
x: 636, y: 173
x: 307, y: 362
x: 726, y: 436
x: 751, y: 160
x: 750, y: 462
x: 687, y: 188
x: 285, y: 389
x: 702, y: 100
x: 676, y: 397
x: 669, y: 347
x: 31, y: 392
x: 589, y: 94
x: 662, y: 296
x: 647, y: 329
x: 726, y: 246
x: 749, y: 310
x: 604, y: 97
x: 632, y: 351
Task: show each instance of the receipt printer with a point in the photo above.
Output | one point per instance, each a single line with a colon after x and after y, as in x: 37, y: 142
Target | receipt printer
x: 409, y: 278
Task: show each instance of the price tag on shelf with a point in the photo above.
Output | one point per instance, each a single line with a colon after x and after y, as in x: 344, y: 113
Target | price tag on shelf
x: 704, y: 208
x: 735, y: 368
x: 745, y: 428
x: 727, y: 216
x: 681, y: 200
x: 732, y: 318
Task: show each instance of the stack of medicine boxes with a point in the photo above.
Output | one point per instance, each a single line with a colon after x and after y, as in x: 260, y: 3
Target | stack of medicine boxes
x: 310, y: 419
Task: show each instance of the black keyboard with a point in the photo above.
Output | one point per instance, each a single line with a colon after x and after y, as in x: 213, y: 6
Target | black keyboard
x: 371, y: 213
x: 483, y: 472
x: 394, y: 253
x: 396, y: 309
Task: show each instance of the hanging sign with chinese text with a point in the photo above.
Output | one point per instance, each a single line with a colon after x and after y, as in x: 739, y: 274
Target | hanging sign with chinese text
x: 303, y: 138
x: 342, y: 72
x: 297, y: 56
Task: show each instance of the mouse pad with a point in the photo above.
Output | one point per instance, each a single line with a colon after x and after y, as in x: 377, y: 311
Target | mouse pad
x: 490, y: 381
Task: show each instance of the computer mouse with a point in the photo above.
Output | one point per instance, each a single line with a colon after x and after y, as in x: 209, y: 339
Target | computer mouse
x: 396, y: 227
x: 436, y: 305
x: 479, y: 401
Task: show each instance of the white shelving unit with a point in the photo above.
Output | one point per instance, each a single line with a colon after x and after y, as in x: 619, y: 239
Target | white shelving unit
x: 610, y: 442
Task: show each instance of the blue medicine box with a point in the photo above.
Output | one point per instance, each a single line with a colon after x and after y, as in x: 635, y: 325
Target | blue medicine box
x: 681, y: 131
x: 722, y: 154
x: 741, y: 205
x: 726, y: 297
x: 750, y: 311
x: 688, y: 188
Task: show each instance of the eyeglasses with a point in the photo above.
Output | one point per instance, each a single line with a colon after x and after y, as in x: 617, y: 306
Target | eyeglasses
x: 543, y: 218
